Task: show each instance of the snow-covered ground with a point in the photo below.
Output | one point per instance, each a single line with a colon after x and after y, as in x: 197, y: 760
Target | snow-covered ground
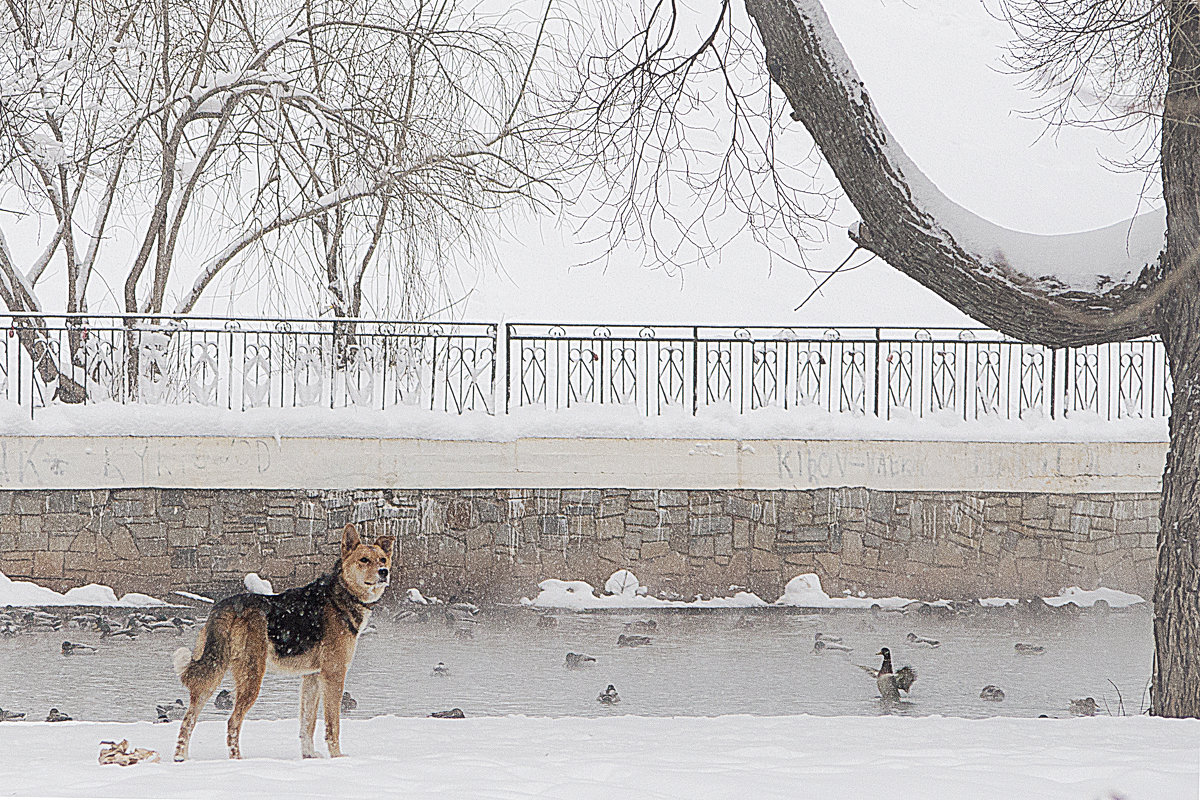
x: 110, y: 419
x: 623, y: 590
x: 1135, y: 758
x: 28, y: 593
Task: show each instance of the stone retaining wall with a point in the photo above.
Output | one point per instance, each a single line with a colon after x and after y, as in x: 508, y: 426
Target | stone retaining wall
x: 496, y: 544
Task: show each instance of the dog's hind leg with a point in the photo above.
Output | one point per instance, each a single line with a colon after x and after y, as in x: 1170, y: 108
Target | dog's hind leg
x: 201, y: 674
x: 310, y: 697
x: 332, y: 686
x: 249, y: 665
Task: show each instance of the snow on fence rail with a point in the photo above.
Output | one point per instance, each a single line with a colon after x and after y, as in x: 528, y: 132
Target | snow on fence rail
x: 239, y: 364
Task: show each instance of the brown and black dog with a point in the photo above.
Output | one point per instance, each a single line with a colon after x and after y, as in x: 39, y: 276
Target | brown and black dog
x: 311, y: 631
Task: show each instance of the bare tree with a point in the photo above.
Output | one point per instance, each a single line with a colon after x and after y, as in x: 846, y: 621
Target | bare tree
x: 308, y: 145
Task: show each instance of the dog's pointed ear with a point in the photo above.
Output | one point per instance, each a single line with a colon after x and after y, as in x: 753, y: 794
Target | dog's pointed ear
x: 385, y: 543
x: 350, y: 538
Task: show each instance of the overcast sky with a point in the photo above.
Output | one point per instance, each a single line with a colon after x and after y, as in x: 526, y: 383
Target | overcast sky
x: 933, y: 69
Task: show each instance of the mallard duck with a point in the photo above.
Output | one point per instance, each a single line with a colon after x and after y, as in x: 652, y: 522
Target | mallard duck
x: 57, y: 716
x: 454, y: 713
x: 643, y: 625
x: 1085, y: 707
x: 11, y: 716
x: 609, y: 696
x: 129, y: 632
x: 441, y: 671
x: 632, y: 641
x: 70, y: 649
x: 174, y: 624
x: 170, y: 712
x: 1029, y: 649
x: 578, y: 661
x: 224, y: 700
x: 914, y: 639
x: 991, y: 693
x: 823, y: 646
x: 547, y: 621
x: 891, y: 684
x: 348, y: 702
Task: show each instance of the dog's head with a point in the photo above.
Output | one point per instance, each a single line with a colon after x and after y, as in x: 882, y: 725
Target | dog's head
x: 366, y: 568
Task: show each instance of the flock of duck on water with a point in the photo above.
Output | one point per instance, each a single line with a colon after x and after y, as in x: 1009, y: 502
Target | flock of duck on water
x: 889, y: 681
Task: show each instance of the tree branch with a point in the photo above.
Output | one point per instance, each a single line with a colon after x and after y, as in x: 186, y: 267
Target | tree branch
x: 1026, y: 286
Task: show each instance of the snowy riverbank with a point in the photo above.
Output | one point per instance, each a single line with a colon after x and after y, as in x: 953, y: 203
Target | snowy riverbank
x: 1137, y: 758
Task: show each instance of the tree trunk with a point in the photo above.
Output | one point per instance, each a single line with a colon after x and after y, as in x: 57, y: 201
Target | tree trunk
x: 1175, y: 691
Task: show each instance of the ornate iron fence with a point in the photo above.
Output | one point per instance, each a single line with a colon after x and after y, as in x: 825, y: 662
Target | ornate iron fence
x: 452, y: 367
x: 883, y: 372
x: 248, y: 363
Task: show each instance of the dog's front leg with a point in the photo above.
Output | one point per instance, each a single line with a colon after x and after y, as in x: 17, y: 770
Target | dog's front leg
x: 332, y: 686
x: 310, y: 697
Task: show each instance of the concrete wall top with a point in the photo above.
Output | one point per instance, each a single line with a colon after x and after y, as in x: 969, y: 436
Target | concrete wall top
x: 216, y: 462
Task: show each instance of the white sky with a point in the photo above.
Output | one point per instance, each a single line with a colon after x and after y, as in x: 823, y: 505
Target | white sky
x: 933, y: 70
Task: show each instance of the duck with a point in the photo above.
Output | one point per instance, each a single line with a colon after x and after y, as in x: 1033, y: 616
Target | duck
x: 11, y: 716
x: 224, y: 700
x: 914, y: 639
x: 454, y: 713
x: 70, y: 649
x: 174, y: 624
x: 130, y: 631
x: 57, y: 716
x: 891, y: 684
x: 1029, y: 649
x: 822, y: 646
x: 824, y: 637
x: 578, y: 661
x: 632, y: 641
x: 609, y: 696
x: 1085, y: 707
x: 441, y: 670
x: 348, y: 702
x: 170, y: 712
x: 547, y: 621
x: 991, y: 693
x: 643, y: 625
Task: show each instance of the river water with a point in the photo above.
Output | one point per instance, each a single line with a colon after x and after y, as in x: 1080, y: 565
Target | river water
x: 699, y: 664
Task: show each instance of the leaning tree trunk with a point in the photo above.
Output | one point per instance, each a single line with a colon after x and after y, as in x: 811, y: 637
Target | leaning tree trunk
x: 807, y: 62
x: 1175, y: 691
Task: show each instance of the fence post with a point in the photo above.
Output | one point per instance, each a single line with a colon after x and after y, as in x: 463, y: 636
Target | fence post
x: 507, y: 365
x: 695, y: 370
x: 1053, y: 380
x: 878, y: 382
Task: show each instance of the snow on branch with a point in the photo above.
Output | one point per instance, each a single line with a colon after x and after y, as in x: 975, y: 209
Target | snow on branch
x: 1066, y: 289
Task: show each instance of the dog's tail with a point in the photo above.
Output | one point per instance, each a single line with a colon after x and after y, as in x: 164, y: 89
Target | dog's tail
x: 209, y: 658
x: 181, y: 658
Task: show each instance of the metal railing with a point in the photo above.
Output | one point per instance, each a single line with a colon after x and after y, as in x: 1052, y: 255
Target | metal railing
x: 973, y: 373
x: 248, y: 363
x: 452, y: 367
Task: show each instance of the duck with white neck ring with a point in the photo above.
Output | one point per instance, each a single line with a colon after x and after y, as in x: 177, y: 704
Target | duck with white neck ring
x: 890, y: 683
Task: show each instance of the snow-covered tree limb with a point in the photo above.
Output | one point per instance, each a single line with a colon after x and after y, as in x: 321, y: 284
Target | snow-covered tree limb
x: 1059, y: 290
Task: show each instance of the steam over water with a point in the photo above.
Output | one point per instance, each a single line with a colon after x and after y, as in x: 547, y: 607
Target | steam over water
x: 699, y: 664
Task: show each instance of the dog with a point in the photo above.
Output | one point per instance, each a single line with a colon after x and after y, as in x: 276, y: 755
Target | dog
x: 311, y: 631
